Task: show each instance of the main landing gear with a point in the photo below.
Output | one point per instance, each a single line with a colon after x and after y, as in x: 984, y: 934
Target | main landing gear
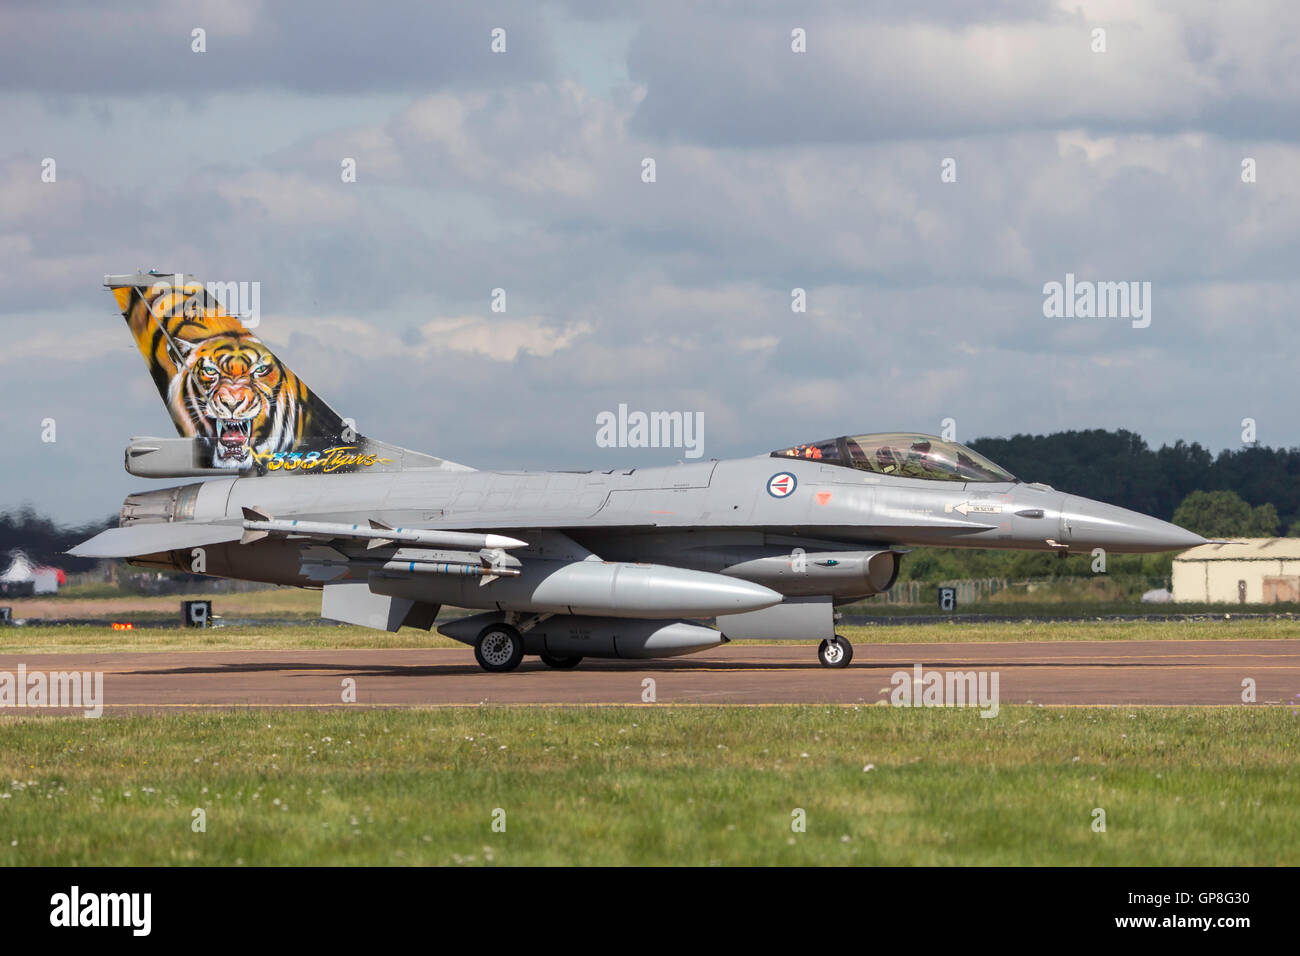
x: 499, y: 648
x: 560, y: 663
x: 836, y: 652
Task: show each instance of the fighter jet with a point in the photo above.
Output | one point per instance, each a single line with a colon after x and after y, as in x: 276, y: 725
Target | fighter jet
x: 622, y: 563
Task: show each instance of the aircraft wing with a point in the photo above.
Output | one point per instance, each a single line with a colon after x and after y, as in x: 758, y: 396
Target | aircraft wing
x: 139, y: 539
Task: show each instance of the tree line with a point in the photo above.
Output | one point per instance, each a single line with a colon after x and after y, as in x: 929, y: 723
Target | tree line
x: 1119, y: 468
x: 44, y: 541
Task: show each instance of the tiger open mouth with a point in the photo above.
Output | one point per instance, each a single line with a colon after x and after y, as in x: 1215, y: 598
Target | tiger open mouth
x: 234, y: 435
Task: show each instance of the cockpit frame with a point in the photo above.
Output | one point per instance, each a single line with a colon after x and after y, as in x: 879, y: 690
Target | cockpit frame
x: 902, y: 454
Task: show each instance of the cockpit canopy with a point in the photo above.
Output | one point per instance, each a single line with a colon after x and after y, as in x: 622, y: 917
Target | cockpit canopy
x: 901, y: 454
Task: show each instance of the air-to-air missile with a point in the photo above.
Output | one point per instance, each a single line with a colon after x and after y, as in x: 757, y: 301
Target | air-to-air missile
x: 259, y: 524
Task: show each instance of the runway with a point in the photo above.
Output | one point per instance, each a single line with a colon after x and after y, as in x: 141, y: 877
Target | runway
x: 1057, y: 673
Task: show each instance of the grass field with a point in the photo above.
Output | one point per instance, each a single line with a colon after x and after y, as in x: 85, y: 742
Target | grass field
x: 78, y: 639
x: 1083, y: 609
x: 86, y: 638
x: 285, y: 603
x: 98, y: 602
x: 655, y: 785
x: 1210, y: 629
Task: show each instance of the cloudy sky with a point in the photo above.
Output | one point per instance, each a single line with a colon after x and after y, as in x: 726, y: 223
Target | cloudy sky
x: 774, y: 170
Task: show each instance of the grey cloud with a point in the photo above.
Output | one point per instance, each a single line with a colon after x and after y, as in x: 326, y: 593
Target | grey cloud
x: 723, y: 79
x: 925, y: 298
x: 333, y: 46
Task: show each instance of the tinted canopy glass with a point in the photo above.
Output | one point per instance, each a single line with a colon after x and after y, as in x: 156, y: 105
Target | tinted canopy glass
x: 901, y: 454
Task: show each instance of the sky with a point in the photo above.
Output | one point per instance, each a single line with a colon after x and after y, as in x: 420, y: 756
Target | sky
x: 922, y: 175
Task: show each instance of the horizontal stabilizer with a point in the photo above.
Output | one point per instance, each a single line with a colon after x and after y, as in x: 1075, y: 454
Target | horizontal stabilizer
x: 143, y: 539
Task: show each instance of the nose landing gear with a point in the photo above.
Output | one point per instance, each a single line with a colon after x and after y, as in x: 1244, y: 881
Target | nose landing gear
x: 836, y: 652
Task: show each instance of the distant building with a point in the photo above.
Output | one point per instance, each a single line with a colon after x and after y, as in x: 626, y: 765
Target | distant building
x: 1247, y: 571
x: 23, y: 577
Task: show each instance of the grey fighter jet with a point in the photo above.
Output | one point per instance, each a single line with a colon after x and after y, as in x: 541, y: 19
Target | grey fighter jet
x: 624, y: 563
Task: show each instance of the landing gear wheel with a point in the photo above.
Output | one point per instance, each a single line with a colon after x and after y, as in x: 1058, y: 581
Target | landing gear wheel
x: 561, y: 663
x: 499, y: 648
x: 835, y: 653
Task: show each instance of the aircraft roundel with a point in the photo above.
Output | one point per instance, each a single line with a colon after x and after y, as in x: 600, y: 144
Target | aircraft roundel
x: 781, y: 485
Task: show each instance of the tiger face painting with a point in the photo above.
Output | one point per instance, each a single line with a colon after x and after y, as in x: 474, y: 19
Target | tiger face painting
x: 233, y: 391
x: 220, y: 383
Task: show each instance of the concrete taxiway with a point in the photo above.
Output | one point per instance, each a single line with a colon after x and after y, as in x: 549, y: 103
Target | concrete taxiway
x: 1058, y: 673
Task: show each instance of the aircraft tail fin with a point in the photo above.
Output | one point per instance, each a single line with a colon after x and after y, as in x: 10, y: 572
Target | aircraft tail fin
x: 246, y: 409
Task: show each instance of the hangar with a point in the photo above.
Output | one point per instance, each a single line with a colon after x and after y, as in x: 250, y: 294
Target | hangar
x: 1247, y: 571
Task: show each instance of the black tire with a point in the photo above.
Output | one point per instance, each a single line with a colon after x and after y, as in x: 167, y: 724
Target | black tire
x: 561, y: 663
x: 499, y: 648
x: 835, y: 653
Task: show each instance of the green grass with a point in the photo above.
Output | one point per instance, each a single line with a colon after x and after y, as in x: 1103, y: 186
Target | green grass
x: 1210, y: 629
x: 104, y: 602
x: 44, y: 639
x: 47, y: 639
x: 1065, y: 608
x: 96, y: 589
x: 107, y: 602
x: 655, y: 785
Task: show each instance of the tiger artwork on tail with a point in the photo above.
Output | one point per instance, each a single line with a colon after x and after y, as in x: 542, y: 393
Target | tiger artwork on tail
x: 233, y: 390
x: 219, y: 381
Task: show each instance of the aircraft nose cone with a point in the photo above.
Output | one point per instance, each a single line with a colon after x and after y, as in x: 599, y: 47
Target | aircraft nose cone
x: 1091, y: 524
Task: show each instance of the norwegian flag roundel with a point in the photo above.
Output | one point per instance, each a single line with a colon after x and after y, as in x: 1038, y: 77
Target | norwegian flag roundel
x: 781, y: 485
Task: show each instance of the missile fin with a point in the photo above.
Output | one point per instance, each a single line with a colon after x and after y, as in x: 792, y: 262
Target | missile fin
x: 491, y: 561
x: 256, y: 514
x: 249, y: 536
